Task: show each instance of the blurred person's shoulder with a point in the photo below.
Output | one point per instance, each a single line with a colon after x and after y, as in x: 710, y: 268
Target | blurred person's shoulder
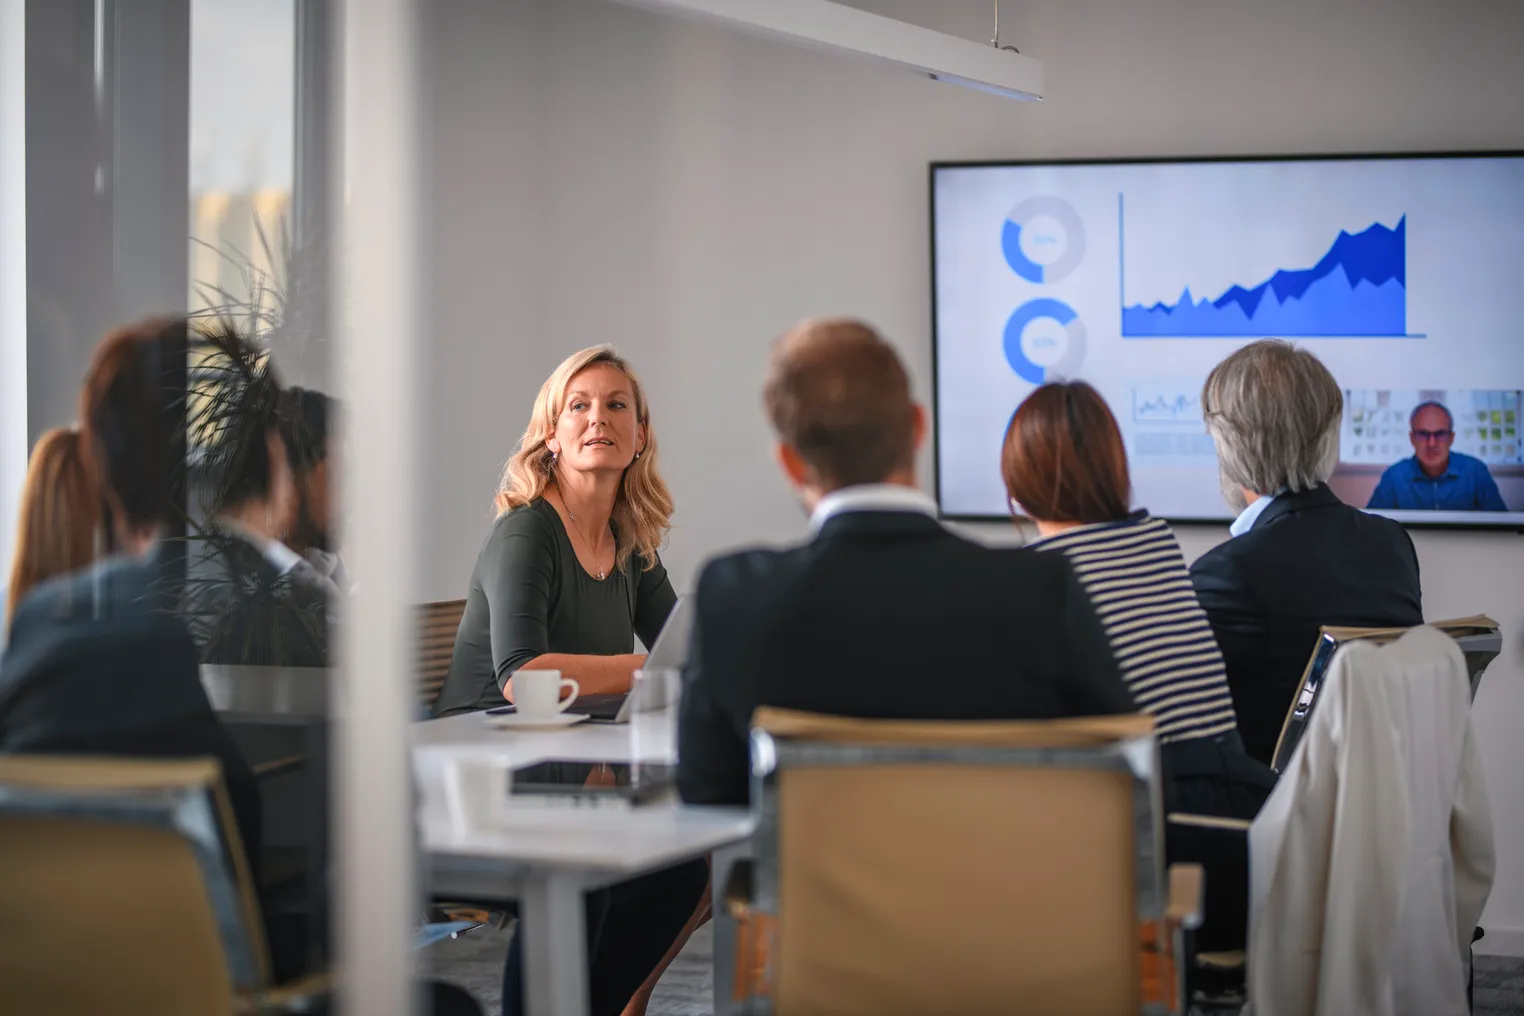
x: 118, y: 586
x: 751, y: 570
x: 1315, y: 529
x: 96, y: 619
x: 748, y: 568
x: 1027, y: 564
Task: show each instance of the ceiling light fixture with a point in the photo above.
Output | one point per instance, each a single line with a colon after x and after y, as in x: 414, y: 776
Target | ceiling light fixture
x: 836, y: 28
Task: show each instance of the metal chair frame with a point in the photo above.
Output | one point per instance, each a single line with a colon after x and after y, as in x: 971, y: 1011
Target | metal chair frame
x: 192, y: 812
x: 1137, y: 757
x: 1479, y: 650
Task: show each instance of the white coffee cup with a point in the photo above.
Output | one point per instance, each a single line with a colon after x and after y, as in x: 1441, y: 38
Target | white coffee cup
x: 537, y: 693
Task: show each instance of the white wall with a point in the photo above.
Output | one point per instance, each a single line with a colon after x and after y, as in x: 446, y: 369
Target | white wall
x: 605, y: 174
x: 486, y: 351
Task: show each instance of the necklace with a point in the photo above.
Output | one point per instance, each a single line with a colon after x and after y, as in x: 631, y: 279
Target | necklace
x: 586, y: 542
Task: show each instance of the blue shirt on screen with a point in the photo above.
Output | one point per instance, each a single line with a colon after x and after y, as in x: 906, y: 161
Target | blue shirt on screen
x: 1465, y: 485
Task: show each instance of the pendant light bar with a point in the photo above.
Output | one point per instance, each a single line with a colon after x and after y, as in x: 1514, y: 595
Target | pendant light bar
x: 836, y: 28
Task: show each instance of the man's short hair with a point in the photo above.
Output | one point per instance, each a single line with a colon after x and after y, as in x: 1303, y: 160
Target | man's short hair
x: 132, y: 418
x: 303, y: 419
x: 837, y: 393
x: 1273, y: 411
x: 1431, y: 404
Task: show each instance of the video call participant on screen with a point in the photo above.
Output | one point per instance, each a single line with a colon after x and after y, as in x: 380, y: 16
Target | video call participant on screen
x: 1435, y: 477
x: 1299, y: 557
x: 884, y: 614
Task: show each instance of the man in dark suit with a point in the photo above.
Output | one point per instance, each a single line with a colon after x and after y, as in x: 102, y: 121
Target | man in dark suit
x: 97, y: 662
x: 883, y: 613
x: 249, y: 598
x: 1299, y: 558
x: 98, y: 665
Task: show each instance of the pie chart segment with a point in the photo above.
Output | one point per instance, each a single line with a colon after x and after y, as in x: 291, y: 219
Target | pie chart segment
x: 1043, y: 239
x: 1044, y: 338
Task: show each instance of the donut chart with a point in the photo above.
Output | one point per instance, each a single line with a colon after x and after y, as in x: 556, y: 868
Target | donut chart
x: 1043, y: 239
x: 1044, y: 337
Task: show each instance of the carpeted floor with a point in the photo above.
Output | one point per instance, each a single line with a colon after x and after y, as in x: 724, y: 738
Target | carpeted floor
x: 1499, y: 986
x: 475, y: 962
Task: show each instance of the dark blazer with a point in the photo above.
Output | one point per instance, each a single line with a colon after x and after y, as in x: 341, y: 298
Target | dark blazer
x: 97, y: 664
x: 1309, y: 560
x: 884, y: 615
x: 241, y: 610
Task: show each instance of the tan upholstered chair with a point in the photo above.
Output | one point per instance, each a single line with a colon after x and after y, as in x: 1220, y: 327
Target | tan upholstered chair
x: 124, y: 889
x: 957, y: 868
x: 438, y: 623
x: 1480, y: 641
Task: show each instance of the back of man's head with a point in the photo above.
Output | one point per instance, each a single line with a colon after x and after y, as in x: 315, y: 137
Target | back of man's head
x: 1273, y: 411
x: 132, y: 419
x: 838, y: 395
x: 303, y: 416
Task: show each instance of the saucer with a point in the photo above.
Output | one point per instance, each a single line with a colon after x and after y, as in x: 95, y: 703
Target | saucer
x: 513, y: 721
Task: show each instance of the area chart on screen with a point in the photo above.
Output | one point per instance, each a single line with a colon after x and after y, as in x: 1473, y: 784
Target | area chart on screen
x: 1357, y: 289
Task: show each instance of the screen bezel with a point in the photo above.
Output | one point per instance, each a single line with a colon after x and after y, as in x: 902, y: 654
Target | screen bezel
x: 1404, y: 517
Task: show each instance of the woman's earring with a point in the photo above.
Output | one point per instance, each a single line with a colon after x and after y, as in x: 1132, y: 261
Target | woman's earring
x: 552, y: 457
x: 639, y: 454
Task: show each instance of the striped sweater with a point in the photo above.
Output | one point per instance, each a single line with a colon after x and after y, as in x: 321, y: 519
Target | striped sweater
x: 1136, y: 578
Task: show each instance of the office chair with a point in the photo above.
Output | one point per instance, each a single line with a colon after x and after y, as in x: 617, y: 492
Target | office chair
x: 907, y: 867
x: 125, y: 889
x: 1415, y: 654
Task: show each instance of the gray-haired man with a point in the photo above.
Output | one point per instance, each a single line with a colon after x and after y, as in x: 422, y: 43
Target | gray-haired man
x: 1299, y: 557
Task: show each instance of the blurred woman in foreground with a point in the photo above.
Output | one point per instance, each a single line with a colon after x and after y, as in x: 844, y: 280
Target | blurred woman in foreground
x: 59, y: 513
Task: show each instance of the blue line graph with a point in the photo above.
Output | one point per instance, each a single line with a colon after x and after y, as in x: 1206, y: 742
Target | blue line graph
x: 1357, y: 289
x: 1167, y: 402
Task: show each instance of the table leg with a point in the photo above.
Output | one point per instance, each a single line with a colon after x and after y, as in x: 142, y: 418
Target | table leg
x: 724, y: 959
x: 555, y: 945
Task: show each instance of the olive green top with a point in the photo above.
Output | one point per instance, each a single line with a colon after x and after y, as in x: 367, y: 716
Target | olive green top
x: 530, y: 595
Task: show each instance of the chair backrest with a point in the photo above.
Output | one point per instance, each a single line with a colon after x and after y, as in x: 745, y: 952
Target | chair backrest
x: 956, y: 867
x: 438, y: 623
x: 1480, y: 641
x: 123, y: 888
x: 1374, y: 852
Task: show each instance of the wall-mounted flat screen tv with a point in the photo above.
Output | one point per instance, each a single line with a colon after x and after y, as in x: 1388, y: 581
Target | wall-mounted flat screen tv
x: 1404, y: 274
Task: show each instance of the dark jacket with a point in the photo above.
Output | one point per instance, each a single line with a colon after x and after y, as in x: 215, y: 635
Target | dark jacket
x: 97, y: 664
x: 1309, y: 560
x: 884, y: 615
x: 242, y: 610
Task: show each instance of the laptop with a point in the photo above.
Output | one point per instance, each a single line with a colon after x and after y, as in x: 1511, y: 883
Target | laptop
x: 580, y: 783
x: 670, y: 651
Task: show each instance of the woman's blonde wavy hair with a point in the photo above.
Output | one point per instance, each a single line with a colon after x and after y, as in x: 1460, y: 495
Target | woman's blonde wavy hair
x: 643, y: 506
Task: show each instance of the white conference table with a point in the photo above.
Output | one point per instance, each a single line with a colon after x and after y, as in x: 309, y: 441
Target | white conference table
x: 547, y: 859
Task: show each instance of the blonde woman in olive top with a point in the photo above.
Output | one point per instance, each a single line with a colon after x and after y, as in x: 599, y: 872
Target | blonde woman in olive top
x: 569, y: 574
x: 568, y: 577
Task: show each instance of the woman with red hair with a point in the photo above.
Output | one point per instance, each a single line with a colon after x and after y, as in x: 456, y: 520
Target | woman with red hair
x: 1065, y: 467
x: 56, y: 532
